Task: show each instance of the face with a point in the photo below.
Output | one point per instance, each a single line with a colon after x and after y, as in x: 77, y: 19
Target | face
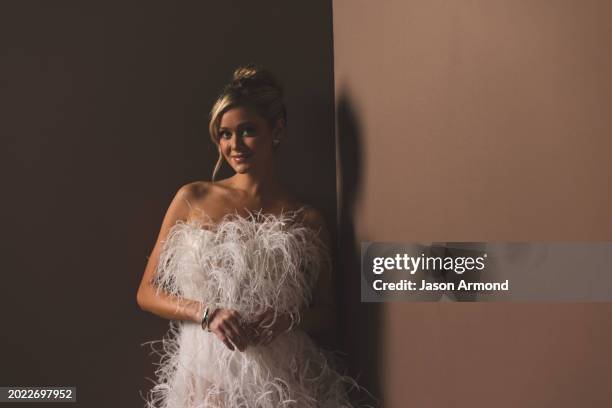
x: 245, y: 139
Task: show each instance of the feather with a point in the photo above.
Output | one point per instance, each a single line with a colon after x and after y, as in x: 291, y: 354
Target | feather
x: 250, y: 264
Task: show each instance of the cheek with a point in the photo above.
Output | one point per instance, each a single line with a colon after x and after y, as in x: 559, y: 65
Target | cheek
x: 260, y: 143
x: 223, y: 146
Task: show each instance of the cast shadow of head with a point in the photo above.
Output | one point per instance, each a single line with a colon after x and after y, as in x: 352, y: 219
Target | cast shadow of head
x: 361, y: 323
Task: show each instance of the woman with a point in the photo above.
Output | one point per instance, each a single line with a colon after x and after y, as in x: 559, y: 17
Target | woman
x: 242, y: 271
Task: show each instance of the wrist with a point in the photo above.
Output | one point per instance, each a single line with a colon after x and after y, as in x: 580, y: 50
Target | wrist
x: 199, y: 312
x: 208, y: 314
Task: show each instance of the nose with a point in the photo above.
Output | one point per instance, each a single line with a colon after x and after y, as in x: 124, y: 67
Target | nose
x: 236, y: 141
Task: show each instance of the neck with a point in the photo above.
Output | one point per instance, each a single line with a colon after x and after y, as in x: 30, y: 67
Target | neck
x: 258, y: 186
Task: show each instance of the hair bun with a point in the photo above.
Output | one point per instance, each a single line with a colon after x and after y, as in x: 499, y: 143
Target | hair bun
x: 251, y: 75
x: 246, y: 72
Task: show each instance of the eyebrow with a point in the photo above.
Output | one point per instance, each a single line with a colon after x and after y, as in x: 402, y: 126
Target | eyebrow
x: 242, y: 124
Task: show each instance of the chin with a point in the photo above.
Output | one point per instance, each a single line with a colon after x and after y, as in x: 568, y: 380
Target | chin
x: 242, y: 170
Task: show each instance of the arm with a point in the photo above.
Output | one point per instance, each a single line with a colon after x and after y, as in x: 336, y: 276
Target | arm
x: 161, y: 303
x: 320, y: 316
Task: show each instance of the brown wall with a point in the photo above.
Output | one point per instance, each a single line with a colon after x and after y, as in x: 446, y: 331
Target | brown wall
x: 104, y: 116
x: 476, y: 121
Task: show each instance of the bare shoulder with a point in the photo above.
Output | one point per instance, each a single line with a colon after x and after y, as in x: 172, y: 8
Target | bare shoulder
x: 201, y: 188
x: 307, y: 214
x: 190, y: 196
x: 207, y: 199
x: 193, y: 191
x: 313, y: 218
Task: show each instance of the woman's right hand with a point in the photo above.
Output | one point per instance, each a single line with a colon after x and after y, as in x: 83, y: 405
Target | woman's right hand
x: 229, y: 327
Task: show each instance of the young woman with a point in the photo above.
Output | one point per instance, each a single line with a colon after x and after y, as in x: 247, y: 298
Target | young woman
x: 242, y: 271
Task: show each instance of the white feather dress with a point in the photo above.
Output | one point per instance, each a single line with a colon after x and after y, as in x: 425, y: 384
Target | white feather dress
x: 249, y: 264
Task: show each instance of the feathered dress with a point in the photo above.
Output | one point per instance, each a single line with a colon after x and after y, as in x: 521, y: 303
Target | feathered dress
x: 250, y: 264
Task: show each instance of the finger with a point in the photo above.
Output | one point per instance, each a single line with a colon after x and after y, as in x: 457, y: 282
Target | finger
x: 237, y: 344
x: 235, y: 331
x: 239, y: 333
x: 232, y: 337
x: 228, y: 338
x: 235, y: 316
x: 237, y: 323
x: 227, y: 342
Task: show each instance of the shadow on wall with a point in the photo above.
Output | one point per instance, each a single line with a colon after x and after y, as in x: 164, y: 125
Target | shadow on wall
x: 361, y: 324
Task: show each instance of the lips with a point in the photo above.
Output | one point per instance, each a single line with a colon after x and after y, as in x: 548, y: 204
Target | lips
x: 241, y: 157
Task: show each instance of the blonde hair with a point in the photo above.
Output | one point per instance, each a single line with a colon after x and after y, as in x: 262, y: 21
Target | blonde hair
x: 251, y: 86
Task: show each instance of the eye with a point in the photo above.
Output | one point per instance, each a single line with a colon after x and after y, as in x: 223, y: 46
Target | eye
x: 248, y: 131
x: 224, y: 134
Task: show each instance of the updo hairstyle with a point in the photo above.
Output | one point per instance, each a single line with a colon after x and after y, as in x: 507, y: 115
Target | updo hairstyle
x: 251, y: 86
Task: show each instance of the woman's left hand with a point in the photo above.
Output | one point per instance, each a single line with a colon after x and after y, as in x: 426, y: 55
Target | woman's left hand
x: 268, y: 331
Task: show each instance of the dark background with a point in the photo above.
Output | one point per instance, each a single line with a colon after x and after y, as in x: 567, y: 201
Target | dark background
x: 104, y: 116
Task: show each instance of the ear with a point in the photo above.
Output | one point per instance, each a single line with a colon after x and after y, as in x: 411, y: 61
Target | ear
x: 279, y: 128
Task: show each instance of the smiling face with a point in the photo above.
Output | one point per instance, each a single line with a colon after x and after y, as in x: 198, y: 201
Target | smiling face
x: 245, y: 139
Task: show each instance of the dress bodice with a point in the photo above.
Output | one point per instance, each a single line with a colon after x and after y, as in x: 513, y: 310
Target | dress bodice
x: 247, y: 263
